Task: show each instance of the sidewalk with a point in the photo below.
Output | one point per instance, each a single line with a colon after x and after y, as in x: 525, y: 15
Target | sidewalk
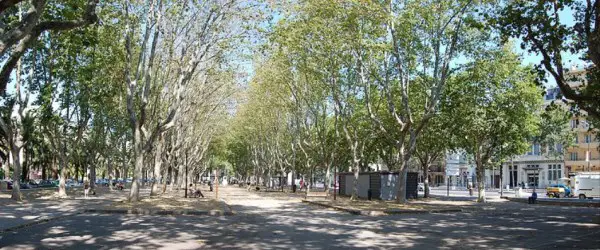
x: 559, y: 202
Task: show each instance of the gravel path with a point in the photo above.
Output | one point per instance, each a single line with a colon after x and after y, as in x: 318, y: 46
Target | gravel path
x: 276, y: 221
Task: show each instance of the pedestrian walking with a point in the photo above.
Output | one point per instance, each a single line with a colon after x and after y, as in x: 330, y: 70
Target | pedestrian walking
x: 470, y: 186
x: 86, y: 188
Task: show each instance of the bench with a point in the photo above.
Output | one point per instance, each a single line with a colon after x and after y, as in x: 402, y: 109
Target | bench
x: 316, y: 194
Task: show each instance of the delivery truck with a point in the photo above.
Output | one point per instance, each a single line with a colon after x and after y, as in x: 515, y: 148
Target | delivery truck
x: 586, y: 185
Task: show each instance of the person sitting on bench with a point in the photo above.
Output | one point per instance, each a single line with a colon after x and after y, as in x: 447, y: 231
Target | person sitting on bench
x: 533, y: 197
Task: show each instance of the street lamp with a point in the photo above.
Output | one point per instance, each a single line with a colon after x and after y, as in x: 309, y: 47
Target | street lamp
x: 588, y: 155
x: 588, y: 140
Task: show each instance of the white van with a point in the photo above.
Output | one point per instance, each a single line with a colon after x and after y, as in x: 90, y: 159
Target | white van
x: 587, y: 185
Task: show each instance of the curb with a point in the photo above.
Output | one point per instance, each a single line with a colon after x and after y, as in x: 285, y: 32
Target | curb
x: 556, y: 203
x: 140, y: 211
x: 348, y: 210
x: 385, y: 212
x: 36, y: 222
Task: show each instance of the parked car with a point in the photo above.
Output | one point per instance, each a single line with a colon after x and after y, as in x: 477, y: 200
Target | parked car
x: 71, y: 183
x: 102, y: 182
x: 25, y: 186
x: 33, y: 184
x: 47, y: 183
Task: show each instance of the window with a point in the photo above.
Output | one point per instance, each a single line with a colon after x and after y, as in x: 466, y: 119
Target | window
x: 536, y: 149
x: 554, y: 172
x: 576, y: 139
x: 573, y: 123
x: 573, y: 156
x: 559, y: 148
x: 588, y: 138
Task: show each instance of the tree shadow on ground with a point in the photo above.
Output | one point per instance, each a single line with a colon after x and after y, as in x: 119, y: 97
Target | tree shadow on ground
x: 295, y: 225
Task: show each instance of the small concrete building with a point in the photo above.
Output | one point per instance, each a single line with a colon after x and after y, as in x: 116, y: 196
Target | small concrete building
x: 381, y: 184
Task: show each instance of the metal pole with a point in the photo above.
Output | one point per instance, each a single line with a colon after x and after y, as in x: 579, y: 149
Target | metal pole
x: 589, y: 156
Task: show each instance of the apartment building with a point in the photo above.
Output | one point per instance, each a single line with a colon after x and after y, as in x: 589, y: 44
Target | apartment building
x: 584, y: 155
x: 537, y: 169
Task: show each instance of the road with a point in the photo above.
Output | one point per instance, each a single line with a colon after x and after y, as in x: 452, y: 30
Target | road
x: 273, y: 221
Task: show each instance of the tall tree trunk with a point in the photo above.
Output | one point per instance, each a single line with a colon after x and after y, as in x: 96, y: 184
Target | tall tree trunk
x: 54, y: 168
x: 480, y: 179
x: 173, y: 176
x: 24, y: 166
x: 134, y: 194
x: 44, y: 172
x: 62, y: 185
x: 270, y: 178
x: 93, y: 175
x: 166, y: 174
x: 16, y: 153
x: 283, y: 178
x: 356, y: 169
x: 181, y: 176
x: 426, y: 180
x: 76, y: 176
x: 109, y: 167
x: 157, y: 164
x: 402, y: 174
x: 425, y: 165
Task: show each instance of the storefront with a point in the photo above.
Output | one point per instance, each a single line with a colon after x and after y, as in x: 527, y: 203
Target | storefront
x: 531, y: 174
